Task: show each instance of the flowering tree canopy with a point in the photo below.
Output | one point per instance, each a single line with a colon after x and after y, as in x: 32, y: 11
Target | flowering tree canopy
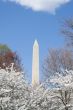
x: 17, y: 94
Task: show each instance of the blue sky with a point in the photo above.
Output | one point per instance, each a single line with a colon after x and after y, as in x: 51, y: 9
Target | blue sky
x: 22, y: 23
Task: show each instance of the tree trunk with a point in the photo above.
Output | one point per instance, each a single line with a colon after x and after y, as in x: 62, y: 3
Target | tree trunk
x: 66, y: 108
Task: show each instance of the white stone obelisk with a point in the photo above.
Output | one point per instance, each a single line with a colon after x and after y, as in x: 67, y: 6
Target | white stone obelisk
x: 35, y: 64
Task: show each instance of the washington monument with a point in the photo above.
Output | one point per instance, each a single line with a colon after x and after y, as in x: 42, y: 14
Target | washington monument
x: 35, y: 64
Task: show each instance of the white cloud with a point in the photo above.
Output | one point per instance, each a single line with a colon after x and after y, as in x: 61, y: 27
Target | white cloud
x: 41, y: 5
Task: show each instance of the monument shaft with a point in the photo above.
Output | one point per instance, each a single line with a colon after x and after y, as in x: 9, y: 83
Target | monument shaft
x: 35, y: 64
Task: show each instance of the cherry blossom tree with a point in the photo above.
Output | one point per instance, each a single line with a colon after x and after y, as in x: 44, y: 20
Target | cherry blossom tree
x: 13, y: 89
x: 54, y: 94
x: 63, y: 90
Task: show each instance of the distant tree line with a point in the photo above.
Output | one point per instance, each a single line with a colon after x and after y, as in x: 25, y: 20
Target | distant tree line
x: 59, y: 60
x: 7, y: 56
